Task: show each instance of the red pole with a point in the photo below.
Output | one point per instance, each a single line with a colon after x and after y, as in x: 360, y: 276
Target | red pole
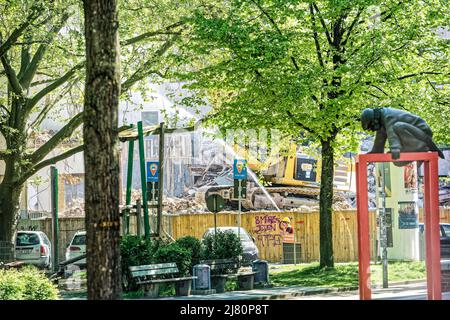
x: 435, y: 241
x: 427, y: 226
x: 365, y: 292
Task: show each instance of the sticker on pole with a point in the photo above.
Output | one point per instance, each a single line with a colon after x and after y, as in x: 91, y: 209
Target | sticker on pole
x: 152, y: 171
x: 240, y: 169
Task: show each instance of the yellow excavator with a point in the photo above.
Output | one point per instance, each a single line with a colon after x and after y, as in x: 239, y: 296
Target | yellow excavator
x: 291, y: 181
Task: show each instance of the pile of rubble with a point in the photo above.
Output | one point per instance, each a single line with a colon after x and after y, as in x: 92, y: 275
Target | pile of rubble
x: 75, y: 209
x: 182, y: 205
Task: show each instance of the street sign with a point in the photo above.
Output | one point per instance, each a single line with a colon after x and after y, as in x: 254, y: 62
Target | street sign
x: 214, y: 203
x: 240, y: 169
x: 243, y: 194
x: 152, y: 191
x: 152, y: 171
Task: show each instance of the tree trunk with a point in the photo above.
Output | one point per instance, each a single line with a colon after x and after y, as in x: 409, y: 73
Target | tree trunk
x: 326, y: 202
x: 101, y: 156
x: 9, y: 210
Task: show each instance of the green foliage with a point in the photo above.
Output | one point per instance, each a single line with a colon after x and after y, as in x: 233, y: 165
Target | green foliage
x: 314, y: 66
x: 135, y: 251
x: 223, y: 245
x: 194, y: 246
x: 174, y: 253
x: 26, y: 284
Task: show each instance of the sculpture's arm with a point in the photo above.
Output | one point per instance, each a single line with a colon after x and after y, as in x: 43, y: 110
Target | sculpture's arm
x: 380, y: 141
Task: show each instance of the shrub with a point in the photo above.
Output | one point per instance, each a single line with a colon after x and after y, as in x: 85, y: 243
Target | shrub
x: 223, y: 245
x: 194, y: 246
x: 135, y: 251
x: 174, y: 253
x: 26, y: 284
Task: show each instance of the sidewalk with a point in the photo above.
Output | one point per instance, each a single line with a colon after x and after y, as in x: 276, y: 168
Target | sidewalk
x: 406, y: 290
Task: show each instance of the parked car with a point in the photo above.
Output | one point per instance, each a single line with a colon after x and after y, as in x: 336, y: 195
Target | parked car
x: 445, y: 238
x: 77, y: 247
x: 34, y: 247
x: 250, y: 250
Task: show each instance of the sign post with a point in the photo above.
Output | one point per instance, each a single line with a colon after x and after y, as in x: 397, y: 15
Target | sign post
x: 239, y: 174
x: 153, y: 169
x: 55, y: 225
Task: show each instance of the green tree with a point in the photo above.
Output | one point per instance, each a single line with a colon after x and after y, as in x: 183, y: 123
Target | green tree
x: 43, y: 59
x: 308, y: 68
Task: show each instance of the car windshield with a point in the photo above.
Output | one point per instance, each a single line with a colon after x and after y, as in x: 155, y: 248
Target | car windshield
x: 27, y: 239
x: 79, y: 240
x: 446, y: 229
x: 244, y: 236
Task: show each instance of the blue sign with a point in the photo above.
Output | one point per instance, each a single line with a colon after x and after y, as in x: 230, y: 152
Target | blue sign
x: 240, y: 169
x: 152, y: 171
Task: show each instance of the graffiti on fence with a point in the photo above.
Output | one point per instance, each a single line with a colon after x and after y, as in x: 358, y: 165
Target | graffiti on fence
x: 272, y: 230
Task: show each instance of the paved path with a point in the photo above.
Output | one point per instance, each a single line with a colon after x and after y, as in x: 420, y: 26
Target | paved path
x: 411, y: 291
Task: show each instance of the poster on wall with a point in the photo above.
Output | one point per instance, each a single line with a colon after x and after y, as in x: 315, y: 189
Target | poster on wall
x: 408, y: 217
x: 410, y: 178
x: 287, y: 230
x: 386, y: 175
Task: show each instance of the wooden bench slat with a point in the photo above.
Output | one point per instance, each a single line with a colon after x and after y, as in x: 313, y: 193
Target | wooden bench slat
x: 165, y: 280
x: 154, y: 272
x: 153, y: 266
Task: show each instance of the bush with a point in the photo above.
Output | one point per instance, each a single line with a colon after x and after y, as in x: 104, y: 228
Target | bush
x: 194, y: 246
x: 135, y: 251
x: 26, y: 284
x: 223, y: 245
x: 174, y: 253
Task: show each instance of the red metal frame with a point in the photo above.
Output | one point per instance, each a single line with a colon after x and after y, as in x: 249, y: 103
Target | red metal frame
x: 431, y: 214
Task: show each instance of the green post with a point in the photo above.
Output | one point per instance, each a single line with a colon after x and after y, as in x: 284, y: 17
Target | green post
x: 143, y: 180
x: 160, y: 179
x: 55, y: 226
x: 129, y: 184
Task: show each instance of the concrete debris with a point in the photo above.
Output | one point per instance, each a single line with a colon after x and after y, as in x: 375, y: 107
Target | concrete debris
x: 75, y: 208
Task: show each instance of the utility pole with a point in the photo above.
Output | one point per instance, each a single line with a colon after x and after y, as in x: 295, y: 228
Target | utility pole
x: 55, y: 225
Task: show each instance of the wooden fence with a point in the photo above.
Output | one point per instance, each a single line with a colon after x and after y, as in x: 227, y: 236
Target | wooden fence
x: 263, y: 226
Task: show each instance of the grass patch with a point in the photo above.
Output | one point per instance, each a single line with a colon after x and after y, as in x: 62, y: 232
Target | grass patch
x: 343, y: 275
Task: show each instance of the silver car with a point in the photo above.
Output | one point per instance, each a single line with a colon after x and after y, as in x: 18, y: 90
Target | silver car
x: 249, y: 248
x: 34, y: 247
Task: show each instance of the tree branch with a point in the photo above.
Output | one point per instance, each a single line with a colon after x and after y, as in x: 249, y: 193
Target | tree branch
x: 62, y: 134
x: 352, y: 25
x: 37, y: 58
x: 315, y: 36
x: 41, y: 116
x: 5, y: 46
x: 150, y: 34
x: 143, y: 71
x: 301, y: 125
x: 12, y: 77
x: 54, y: 85
x: 50, y: 161
x: 420, y: 74
x: 327, y: 33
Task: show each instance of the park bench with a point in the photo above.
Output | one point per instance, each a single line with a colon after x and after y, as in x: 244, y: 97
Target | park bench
x: 224, y: 269
x: 149, y: 277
